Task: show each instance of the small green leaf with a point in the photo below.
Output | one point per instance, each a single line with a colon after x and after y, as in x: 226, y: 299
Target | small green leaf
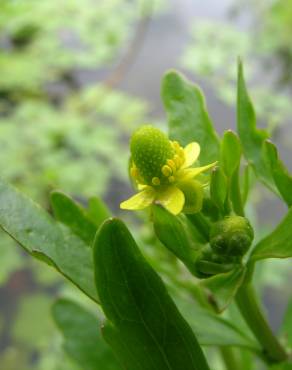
x: 278, y: 244
x: 230, y: 160
x: 43, y: 237
x: 178, y: 235
x: 135, y: 301
x: 97, y: 211
x: 82, y: 339
x: 218, y: 188
x: 281, y: 176
x: 73, y: 215
x: 188, y: 118
x: 224, y: 286
x: 230, y: 152
x: 251, y: 137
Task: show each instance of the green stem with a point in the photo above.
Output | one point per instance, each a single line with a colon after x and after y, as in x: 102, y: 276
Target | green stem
x: 251, y: 311
x: 229, y: 358
x: 235, y: 194
x: 201, y: 224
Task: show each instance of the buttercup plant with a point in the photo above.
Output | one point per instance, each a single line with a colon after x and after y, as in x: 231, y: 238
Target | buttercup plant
x: 196, y: 190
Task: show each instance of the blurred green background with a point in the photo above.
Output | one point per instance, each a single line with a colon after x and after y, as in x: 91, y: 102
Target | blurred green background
x: 76, y: 78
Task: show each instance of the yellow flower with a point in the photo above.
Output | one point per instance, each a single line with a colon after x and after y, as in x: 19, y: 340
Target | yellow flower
x: 162, y: 172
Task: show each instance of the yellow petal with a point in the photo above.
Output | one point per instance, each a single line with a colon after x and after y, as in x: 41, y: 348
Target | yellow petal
x: 192, y: 152
x: 140, y: 200
x: 190, y: 173
x: 172, y: 198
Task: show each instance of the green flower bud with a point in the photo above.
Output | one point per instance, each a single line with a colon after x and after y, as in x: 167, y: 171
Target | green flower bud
x: 150, y: 149
x: 209, y: 263
x: 231, y: 236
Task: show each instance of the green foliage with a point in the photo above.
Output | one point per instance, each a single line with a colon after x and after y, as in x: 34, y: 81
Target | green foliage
x: 74, y: 216
x: 251, y: 137
x: 218, y: 188
x: 278, y: 244
x: 82, y: 339
x: 139, y: 309
x: 150, y: 322
x: 188, y: 119
x: 280, y: 174
x: 45, y: 239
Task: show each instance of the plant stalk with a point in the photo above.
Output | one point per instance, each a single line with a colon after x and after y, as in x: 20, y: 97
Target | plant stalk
x: 251, y: 311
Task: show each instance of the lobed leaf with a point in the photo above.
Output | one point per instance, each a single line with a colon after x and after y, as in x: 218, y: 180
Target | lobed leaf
x: 188, y: 119
x: 140, y: 311
x: 45, y: 239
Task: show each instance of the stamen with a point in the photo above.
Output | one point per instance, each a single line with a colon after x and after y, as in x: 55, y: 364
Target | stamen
x: 166, y: 170
x: 155, y: 181
x: 177, y: 160
x: 176, y: 145
x: 171, y: 179
x: 171, y: 164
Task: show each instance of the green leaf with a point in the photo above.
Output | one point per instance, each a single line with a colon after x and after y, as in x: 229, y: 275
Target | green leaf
x: 214, y: 330
x: 230, y: 160
x: 286, y: 327
x: 41, y: 236
x: 188, y: 118
x: 282, y: 366
x: 178, y: 235
x: 278, y: 244
x: 230, y: 152
x: 251, y: 137
x: 82, y: 337
x: 72, y: 215
x: 218, y: 188
x: 281, y: 175
x: 138, y: 306
x: 224, y: 286
x: 97, y: 211
x: 121, y: 348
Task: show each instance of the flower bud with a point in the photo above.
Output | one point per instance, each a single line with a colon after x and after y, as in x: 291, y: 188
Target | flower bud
x: 231, y: 236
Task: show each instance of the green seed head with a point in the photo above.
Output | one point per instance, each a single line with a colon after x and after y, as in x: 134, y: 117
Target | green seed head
x: 150, y: 149
x: 231, y: 236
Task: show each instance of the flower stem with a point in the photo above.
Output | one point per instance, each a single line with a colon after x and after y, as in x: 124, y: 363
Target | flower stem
x: 250, y: 309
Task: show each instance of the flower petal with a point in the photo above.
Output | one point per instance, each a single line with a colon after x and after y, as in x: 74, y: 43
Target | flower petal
x: 192, y: 152
x: 172, y: 198
x: 140, y: 200
x: 190, y: 173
